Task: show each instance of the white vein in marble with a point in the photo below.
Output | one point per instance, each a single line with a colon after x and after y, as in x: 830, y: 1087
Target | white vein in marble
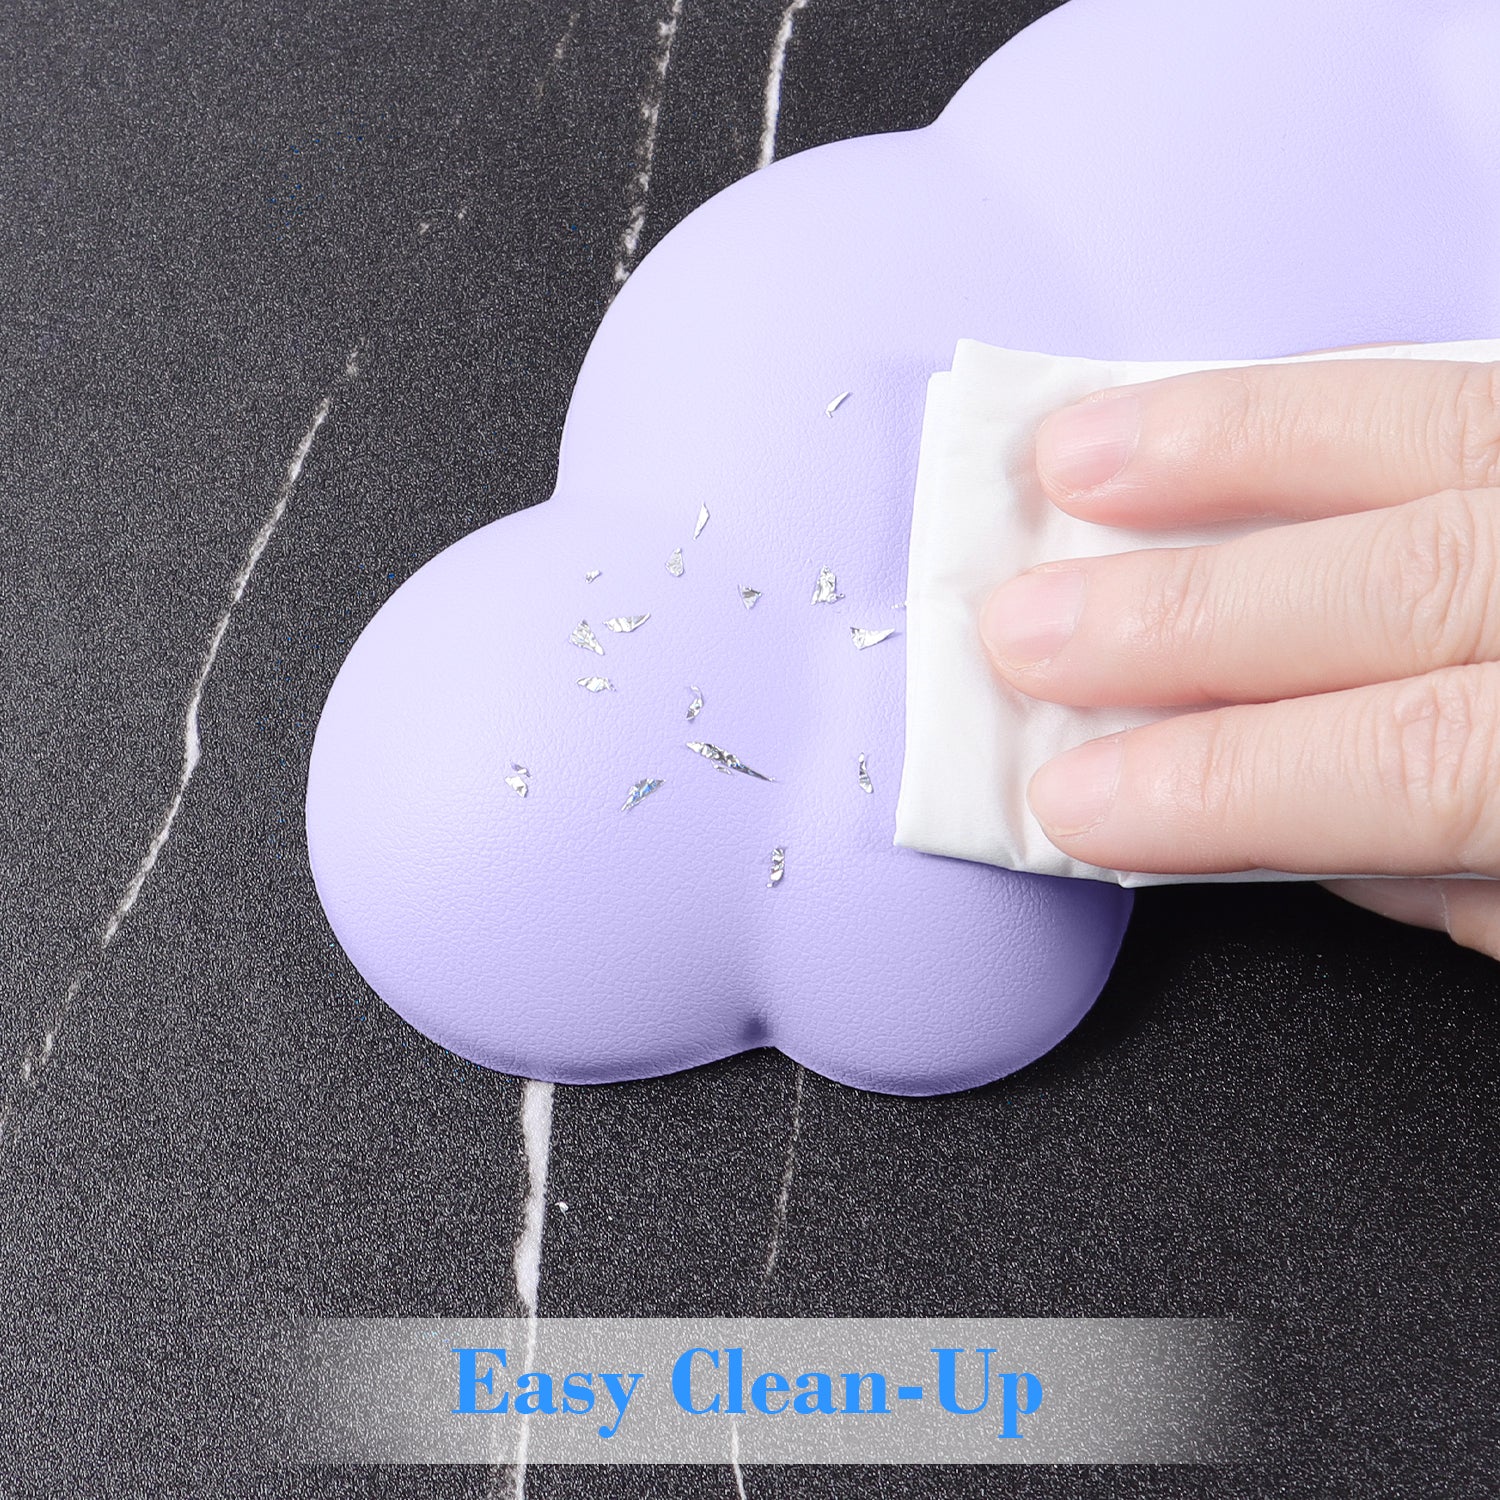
x: 645, y: 151
x: 734, y: 1459
x: 41, y: 1052
x: 788, y: 1173
x: 771, y: 102
x: 526, y: 1259
x: 559, y: 52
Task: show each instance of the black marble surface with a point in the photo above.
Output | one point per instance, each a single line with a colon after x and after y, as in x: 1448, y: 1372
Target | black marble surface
x: 1281, y: 1110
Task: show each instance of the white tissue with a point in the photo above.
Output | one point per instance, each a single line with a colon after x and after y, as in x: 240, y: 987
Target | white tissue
x: 980, y: 517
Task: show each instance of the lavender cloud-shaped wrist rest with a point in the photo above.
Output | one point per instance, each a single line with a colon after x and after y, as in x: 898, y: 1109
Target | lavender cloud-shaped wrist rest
x: 1148, y: 180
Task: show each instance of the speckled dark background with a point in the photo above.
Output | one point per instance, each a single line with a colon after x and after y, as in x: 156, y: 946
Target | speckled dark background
x: 1281, y: 1110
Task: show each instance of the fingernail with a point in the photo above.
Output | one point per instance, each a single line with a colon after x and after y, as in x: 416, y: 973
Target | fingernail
x: 1074, y: 793
x: 1032, y: 617
x: 1086, y: 445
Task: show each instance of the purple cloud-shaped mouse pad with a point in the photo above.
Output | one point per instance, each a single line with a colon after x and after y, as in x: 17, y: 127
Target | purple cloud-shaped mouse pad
x: 1144, y: 179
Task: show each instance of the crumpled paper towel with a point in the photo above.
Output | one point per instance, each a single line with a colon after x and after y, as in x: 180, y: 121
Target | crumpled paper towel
x: 980, y: 517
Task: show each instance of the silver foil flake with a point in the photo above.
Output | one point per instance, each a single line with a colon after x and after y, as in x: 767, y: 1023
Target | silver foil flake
x: 591, y: 576
x: 702, y: 522
x: 837, y: 402
x: 517, y: 784
x: 639, y: 792
x: 865, y: 784
x: 778, y: 867
x: 624, y: 624
x: 722, y: 760
x: 696, y: 706
x: 827, y: 591
x: 674, y: 563
x: 596, y: 684
x: 748, y: 595
x: 583, y: 636
x: 864, y: 639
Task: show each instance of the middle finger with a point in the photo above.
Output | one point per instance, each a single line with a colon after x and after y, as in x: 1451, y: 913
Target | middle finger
x: 1312, y: 607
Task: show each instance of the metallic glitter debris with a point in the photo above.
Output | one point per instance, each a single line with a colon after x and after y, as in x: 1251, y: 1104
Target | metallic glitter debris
x: 674, y: 564
x: 837, y: 402
x: 865, y: 784
x: 863, y: 639
x: 590, y: 577
x: 583, y: 636
x: 624, y: 624
x: 827, y: 591
x: 748, y: 595
x: 639, y: 792
x: 519, y: 769
x: 778, y: 867
x: 702, y: 522
x: 596, y: 684
x: 696, y: 706
x: 723, y: 760
x: 517, y: 784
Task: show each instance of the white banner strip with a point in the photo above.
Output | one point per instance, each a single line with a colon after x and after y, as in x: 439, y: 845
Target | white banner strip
x: 781, y: 1390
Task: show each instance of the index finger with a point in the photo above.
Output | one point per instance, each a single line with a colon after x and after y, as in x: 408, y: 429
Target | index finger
x: 1292, y: 440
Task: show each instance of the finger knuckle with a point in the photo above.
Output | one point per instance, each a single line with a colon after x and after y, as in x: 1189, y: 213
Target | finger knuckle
x: 1253, y: 416
x: 1177, y: 609
x: 1235, y: 405
x: 1441, y: 554
x: 1216, y: 777
x: 1471, y: 429
x: 1437, y: 759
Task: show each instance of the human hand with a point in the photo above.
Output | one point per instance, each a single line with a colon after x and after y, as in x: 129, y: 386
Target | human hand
x: 1346, y: 668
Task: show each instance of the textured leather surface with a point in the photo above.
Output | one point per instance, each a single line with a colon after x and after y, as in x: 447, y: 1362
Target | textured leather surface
x: 555, y: 935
